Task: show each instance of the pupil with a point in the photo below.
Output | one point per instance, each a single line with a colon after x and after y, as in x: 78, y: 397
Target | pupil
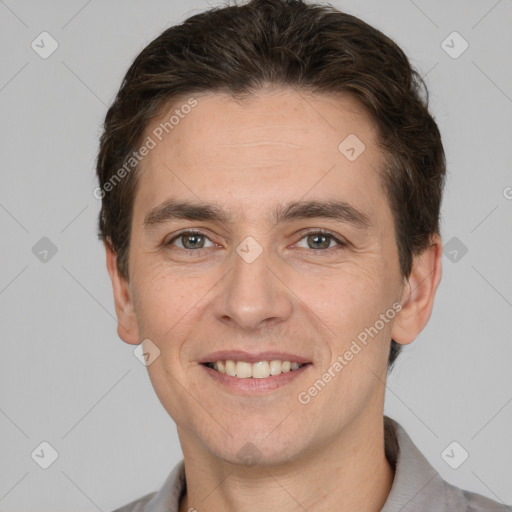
x: 194, y: 239
x: 324, y: 245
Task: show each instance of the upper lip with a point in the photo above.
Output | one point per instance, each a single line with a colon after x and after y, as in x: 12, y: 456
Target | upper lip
x: 241, y: 355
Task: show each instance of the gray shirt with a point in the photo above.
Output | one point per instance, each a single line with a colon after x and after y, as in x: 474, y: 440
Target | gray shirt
x: 417, y: 487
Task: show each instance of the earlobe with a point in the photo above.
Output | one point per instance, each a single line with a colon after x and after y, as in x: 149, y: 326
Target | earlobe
x: 127, y: 327
x: 419, y: 293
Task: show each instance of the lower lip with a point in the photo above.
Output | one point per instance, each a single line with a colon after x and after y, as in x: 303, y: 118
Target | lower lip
x: 252, y: 386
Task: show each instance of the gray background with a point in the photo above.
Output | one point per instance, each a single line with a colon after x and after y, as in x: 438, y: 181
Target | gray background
x: 67, y: 379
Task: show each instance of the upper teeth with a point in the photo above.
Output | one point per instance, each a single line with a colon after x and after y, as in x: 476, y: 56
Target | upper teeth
x: 259, y: 370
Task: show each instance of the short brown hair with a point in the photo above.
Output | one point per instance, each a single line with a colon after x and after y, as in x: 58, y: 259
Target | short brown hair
x: 239, y: 50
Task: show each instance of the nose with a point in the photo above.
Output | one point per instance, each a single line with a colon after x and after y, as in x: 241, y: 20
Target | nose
x: 252, y: 295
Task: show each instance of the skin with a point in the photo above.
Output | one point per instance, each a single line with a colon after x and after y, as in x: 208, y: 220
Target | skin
x: 277, y: 146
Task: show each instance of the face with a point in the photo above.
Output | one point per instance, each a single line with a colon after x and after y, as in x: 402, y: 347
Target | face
x: 288, y: 255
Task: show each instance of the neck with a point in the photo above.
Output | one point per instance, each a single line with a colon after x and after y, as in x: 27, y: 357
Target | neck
x: 349, y: 473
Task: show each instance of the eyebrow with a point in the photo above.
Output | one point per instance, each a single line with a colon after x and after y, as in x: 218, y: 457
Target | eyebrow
x: 339, y: 211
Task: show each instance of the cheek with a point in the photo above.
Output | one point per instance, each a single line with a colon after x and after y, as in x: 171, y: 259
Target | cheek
x: 162, y: 301
x: 349, y: 305
x: 347, y: 295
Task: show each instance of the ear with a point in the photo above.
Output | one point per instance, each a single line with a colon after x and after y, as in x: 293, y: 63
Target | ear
x: 127, y: 328
x: 418, y: 294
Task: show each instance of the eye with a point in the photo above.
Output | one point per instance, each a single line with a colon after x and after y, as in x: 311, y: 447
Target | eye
x: 190, y: 240
x: 319, y: 239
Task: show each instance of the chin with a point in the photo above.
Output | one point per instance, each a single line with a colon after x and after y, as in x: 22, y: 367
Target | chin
x: 265, y: 445
x: 254, y: 455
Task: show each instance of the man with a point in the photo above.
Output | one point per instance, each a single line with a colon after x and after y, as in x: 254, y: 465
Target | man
x: 271, y: 181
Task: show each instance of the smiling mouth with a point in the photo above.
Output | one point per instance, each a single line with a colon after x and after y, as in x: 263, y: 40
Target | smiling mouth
x: 259, y: 370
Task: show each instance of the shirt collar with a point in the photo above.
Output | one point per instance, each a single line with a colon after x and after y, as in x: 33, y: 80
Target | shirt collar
x: 416, y: 486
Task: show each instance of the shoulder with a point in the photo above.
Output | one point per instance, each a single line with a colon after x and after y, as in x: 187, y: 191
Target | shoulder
x: 418, y: 487
x: 459, y: 499
x: 167, y: 498
x: 136, y: 505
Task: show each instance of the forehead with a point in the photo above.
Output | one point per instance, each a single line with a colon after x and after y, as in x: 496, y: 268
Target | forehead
x: 272, y: 146
x: 272, y: 119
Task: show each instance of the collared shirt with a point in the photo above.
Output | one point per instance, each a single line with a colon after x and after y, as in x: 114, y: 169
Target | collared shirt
x: 417, y: 487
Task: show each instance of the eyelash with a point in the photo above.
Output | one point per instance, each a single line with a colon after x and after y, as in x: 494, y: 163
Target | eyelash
x: 341, y: 244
